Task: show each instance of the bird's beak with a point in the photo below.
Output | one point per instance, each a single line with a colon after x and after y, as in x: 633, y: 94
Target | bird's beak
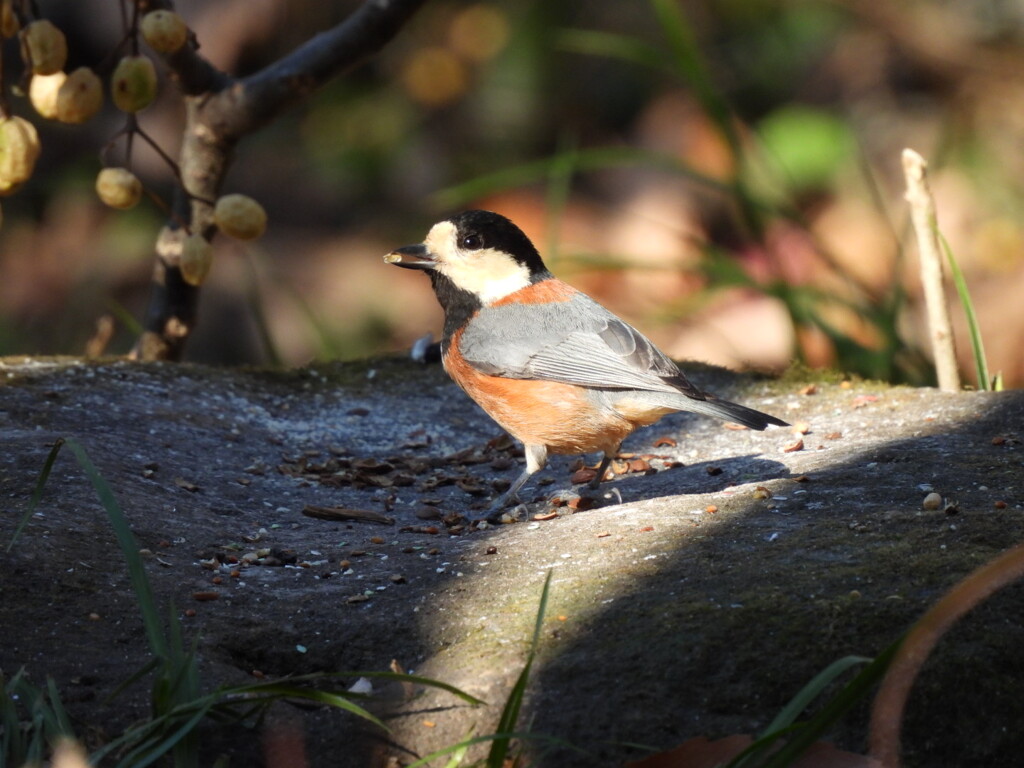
x: 411, y: 257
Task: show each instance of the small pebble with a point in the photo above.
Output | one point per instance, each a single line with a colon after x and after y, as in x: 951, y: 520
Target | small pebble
x: 932, y: 501
x: 428, y: 513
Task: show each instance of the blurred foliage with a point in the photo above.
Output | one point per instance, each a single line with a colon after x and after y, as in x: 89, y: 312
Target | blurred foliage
x: 723, y: 173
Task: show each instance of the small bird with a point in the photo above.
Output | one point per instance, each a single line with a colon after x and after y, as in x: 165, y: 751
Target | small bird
x: 558, y: 371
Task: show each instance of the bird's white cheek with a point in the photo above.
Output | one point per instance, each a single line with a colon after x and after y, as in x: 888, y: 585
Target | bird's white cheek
x: 490, y: 275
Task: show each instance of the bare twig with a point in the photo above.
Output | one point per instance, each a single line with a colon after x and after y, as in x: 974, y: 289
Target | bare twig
x: 922, y: 211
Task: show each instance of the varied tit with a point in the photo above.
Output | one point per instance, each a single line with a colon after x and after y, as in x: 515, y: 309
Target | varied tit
x: 554, y: 368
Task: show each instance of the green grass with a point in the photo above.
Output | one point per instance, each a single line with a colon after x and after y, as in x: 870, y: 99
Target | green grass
x: 797, y: 736
x: 986, y: 382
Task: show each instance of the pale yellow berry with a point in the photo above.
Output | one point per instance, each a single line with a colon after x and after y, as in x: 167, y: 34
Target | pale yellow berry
x: 240, y: 216
x: 164, y: 31
x: 133, y: 84
x: 19, y: 150
x: 196, y: 259
x: 118, y: 188
x: 80, y: 97
x: 46, y: 46
x: 42, y: 93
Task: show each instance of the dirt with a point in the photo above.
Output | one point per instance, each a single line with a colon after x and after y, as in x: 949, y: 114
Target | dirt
x: 694, y: 595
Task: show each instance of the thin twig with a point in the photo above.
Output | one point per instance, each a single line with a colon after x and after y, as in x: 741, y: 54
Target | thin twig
x: 922, y: 212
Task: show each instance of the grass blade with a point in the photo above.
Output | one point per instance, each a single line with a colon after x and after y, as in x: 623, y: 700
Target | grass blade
x: 977, y: 345
x: 592, y: 159
x: 595, y: 43
x: 12, y: 738
x: 61, y: 723
x: 139, y: 758
x: 129, y: 547
x: 692, y: 70
x: 514, y: 703
x: 809, y: 692
x: 804, y: 735
x: 37, y: 494
x: 336, y: 700
x: 250, y: 688
x: 784, y: 721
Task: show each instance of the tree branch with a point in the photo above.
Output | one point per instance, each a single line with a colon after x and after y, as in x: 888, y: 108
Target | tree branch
x: 265, y: 94
x: 222, y: 110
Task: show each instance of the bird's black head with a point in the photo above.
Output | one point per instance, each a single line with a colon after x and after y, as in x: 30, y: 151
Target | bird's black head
x: 486, y: 230
x: 479, y: 252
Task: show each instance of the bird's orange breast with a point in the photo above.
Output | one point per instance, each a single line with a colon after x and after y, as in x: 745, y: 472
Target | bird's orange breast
x: 562, y: 417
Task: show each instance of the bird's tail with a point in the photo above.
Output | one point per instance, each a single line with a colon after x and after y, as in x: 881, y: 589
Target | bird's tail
x: 710, y: 406
x: 740, y: 414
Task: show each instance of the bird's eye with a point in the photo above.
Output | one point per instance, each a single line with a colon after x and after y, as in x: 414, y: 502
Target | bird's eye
x: 472, y: 242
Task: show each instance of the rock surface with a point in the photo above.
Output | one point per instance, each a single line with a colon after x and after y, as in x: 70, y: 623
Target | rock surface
x: 735, y: 566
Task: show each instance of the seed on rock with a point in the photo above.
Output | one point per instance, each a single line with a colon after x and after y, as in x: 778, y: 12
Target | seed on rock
x: 932, y: 501
x: 584, y: 475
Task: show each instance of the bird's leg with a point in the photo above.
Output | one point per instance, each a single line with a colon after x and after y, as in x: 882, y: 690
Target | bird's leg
x: 606, y: 459
x: 536, y: 458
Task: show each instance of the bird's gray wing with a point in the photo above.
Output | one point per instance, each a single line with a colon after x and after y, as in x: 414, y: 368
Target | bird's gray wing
x: 576, y: 342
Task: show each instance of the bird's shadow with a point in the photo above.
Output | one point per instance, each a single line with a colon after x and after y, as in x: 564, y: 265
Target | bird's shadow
x: 703, y: 477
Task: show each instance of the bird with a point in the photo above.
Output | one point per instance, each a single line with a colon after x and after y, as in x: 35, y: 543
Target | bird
x: 552, y: 366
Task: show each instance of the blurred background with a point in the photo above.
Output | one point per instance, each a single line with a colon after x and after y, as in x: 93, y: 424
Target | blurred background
x: 725, y: 174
